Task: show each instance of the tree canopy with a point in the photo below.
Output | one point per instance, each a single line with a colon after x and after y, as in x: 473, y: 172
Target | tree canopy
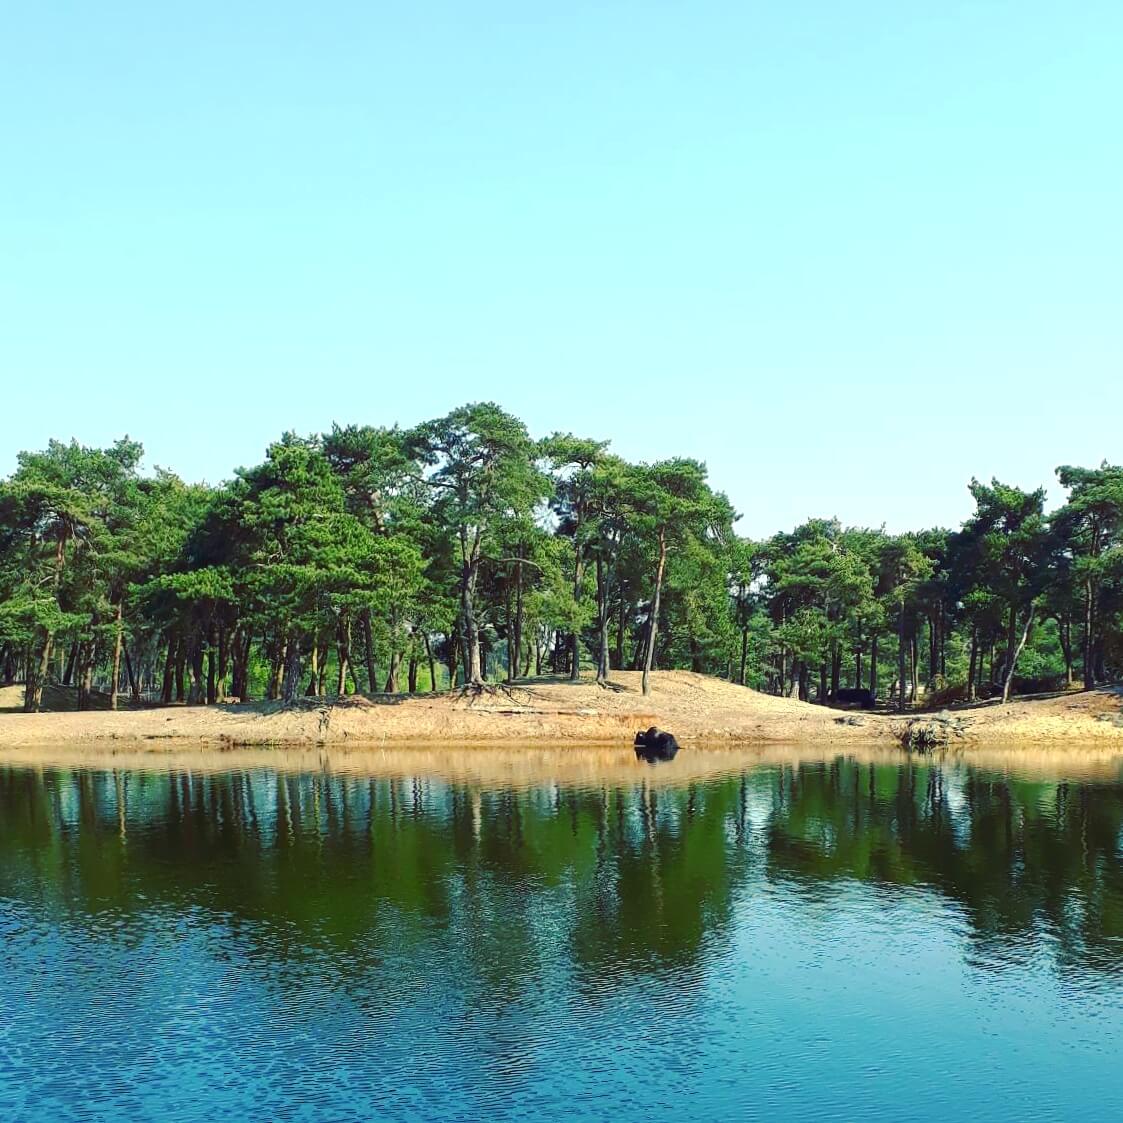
x: 464, y: 551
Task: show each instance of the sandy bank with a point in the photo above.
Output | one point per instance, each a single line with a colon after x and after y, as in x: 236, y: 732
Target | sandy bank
x: 696, y: 708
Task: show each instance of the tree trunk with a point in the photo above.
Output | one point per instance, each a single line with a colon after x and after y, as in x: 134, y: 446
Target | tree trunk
x: 71, y: 660
x: 212, y: 669
x: 343, y: 651
x: 1011, y: 641
x: 195, y: 694
x: 602, y: 621
x: 915, y: 646
x: 412, y: 674
x: 578, y: 579
x: 277, y: 671
x: 744, y: 655
x: 118, y: 641
x: 290, y: 683
x: 1089, y: 634
x: 432, y: 662
x: 452, y: 662
x: 1015, y: 655
x: 37, y: 674
x: 313, y: 675
x: 972, y: 664
x: 518, y: 625
x: 86, y: 676
x: 473, y: 669
x: 180, y: 669
x: 169, y: 672
x: 653, y: 622
x: 223, y: 659
x: 240, y: 688
x: 620, y: 618
x: 512, y: 657
x: 873, y: 667
x: 392, y: 674
x: 322, y: 672
x: 1064, y: 634
x: 368, y: 645
x: 901, y: 659
x: 134, y: 685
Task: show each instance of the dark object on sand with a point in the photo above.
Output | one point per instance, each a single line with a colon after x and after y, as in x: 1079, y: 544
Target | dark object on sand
x: 655, y: 745
x: 854, y: 695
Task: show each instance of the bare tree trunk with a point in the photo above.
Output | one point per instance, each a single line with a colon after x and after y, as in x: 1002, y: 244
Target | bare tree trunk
x: 1016, y: 654
x: 653, y: 623
x: 322, y: 672
x: 180, y: 669
x: 212, y: 668
x: 432, y: 661
x: 602, y: 620
x: 1089, y: 634
x: 512, y: 657
x: 277, y: 671
x: 134, y: 685
x: 195, y: 694
x: 972, y: 668
x: 85, y: 675
x: 37, y: 675
x: 290, y: 683
x: 873, y: 667
x: 314, y: 671
x: 901, y: 659
x: 223, y: 659
x: 392, y: 674
x: 343, y: 651
x: 169, y: 671
x: 368, y: 644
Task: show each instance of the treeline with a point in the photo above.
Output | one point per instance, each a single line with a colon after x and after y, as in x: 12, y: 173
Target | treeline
x: 462, y: 552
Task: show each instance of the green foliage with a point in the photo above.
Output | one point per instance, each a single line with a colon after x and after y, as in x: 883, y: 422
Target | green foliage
x: 365, y: 556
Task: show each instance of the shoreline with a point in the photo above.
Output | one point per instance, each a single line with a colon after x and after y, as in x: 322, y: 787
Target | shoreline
x: 700, y: 711
x: 572, y: 765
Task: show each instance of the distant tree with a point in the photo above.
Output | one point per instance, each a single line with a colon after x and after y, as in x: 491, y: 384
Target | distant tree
x: 482, y: 468
x: 1090, y: 528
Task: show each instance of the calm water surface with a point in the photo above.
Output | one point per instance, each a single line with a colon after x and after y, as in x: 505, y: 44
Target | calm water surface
x: 832, y: 940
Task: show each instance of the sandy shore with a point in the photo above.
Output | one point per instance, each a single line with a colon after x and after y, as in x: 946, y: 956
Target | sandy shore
x: 571, y: 765
x: 697, y: 709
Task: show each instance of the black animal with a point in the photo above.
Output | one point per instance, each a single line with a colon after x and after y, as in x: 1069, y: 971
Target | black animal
x: 854, y: 695
x: 654, y: 745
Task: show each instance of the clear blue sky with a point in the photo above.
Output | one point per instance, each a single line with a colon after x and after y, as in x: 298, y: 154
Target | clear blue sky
x: 849, y: 253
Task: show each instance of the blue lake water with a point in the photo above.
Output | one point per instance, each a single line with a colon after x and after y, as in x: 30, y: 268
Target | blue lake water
x: 819, y: 940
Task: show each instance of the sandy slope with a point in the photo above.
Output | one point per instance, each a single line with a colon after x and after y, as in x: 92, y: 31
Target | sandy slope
x: 694, y: 707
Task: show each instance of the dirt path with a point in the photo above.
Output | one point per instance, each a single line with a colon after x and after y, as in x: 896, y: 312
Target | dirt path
x: 695, y: 708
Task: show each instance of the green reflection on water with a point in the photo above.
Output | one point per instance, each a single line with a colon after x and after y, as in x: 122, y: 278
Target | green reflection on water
x: 631, y: 874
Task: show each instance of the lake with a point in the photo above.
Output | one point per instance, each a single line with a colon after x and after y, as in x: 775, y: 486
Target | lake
x: 787, y: 939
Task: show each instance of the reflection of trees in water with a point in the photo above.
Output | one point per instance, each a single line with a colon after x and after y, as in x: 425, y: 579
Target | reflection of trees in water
x: 505, y: 884
x: 1015, y: 854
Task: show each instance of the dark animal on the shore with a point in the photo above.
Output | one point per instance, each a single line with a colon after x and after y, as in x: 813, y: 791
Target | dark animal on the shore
x: 654, y: 745
x: 855, y: 696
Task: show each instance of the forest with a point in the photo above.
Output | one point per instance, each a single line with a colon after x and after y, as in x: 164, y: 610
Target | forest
x: 464, y: 552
